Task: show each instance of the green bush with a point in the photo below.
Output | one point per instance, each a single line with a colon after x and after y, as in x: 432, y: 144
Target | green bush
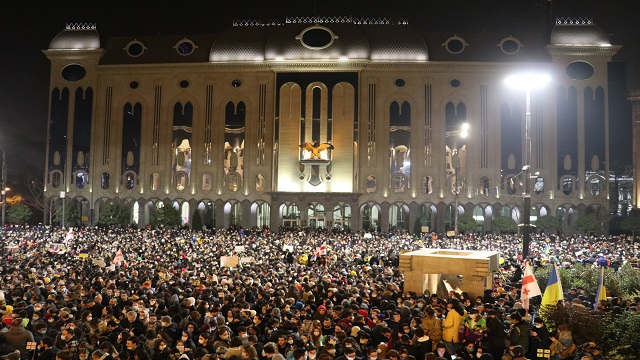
x: 589, y: 223
x: 628, y: 280
x: 166, y: 216
x: 114, y: 214
x: 196, y: 224
x: 588, y: 278
x: 18, y: 214
x: 620, y: 338
x: 548, y: 223
x: 502, y: 224
x: 467, y: 224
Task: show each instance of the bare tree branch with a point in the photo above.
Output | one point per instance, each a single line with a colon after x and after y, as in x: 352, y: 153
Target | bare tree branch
x: 34, y: 192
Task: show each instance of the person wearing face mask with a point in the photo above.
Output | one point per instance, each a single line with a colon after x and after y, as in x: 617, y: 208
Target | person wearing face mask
x: 181, y: 350
x: 204, y: 341
x: 372, y: 354
x: 312, y: 352
x: 39, y: 331
x: 83, y: 354
x: 441, y: 351
x: 348, y: 354
x: 188, y: 342
x: 47, y: 349
x: 468, y: 352
x: 330, y: 350
x: 69, y: 340
x: 538, y: 339
x: 519, y: 333
x: 160, y: 351
x: 170, y: 328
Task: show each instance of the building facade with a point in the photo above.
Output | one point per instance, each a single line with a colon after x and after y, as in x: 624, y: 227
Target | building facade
x: 329, y: 122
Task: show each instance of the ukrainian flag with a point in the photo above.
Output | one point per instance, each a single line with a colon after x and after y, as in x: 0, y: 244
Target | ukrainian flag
x: 553, y: 293
x: 602, y: 290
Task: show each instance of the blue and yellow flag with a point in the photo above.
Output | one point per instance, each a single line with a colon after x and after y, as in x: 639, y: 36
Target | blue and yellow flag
x: 553, y: 293
x: 602, y: 290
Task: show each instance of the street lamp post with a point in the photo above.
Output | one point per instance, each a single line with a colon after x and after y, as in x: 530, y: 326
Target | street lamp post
x: 63, y: 196
x: 528, y: 81
x: 455, y: 159
x: 4, y: 190
x: 4, y: 205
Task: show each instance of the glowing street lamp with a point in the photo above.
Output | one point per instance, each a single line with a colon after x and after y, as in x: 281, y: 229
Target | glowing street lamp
x: 527, y: 81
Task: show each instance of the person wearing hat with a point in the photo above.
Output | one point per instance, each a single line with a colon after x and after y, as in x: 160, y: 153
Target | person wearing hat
x: 539, y: 339
x: 519, y: 333
x: 18, y: 337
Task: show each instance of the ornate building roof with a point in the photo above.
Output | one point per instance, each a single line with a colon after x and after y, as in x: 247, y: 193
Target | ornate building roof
x: 320, y: 39
x: 578, y: 32
x: 76, y: 37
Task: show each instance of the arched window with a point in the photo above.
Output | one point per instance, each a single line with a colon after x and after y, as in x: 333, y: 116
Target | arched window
x: 538, y: 186
x: 105, y: 180
x: 206, y: 182
x: 567, y: 185
x: 154, y: 181
x: 427, y: 185
x: 129, y: 180
x: 371, y: 184
x: 484, y: 186
x: 82, y: 178
x: 181, y: 180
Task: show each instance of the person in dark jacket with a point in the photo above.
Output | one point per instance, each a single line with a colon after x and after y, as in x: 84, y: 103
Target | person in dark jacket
x: 48, y: 349
x: 539, y: 339
x: 519, y: 333
x: 18, y: 337
x: 5, y: 349
x: 494, y: 334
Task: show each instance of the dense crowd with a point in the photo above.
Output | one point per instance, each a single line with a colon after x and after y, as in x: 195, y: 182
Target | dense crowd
x: 296, y: 294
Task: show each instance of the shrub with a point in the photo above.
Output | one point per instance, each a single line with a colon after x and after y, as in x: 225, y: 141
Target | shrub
x: 620, y: 338
x: 502, y: 224
x: 628, y: 279
x: 114, y: 214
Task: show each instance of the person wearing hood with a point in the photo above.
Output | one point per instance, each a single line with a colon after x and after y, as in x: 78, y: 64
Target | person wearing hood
x: 422, y: 344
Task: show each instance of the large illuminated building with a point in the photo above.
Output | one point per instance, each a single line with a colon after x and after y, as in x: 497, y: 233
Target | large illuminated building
x: 216, y: 125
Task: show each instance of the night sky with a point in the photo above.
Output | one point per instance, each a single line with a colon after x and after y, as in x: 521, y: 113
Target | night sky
x: 27, y: 27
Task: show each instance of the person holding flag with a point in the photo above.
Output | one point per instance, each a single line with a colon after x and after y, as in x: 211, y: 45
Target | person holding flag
x: 553, y: 293
x: 530, y: 287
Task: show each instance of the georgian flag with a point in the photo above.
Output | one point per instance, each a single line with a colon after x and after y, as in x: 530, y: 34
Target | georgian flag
x: 530, y: 287
x: 322, y: 250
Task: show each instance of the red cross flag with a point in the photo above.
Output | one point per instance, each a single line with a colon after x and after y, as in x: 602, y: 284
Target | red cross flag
x: 530, y: 287
x: 69, y: 236
x: 322, y: 250
x: 119, y: 259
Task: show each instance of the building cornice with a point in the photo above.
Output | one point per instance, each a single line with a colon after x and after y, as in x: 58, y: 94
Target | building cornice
x: 73, y: 54
x: 317, y: 66
x: 577, y: 50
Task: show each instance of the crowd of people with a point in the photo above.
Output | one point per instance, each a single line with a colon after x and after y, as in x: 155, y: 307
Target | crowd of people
x: 297, y: 294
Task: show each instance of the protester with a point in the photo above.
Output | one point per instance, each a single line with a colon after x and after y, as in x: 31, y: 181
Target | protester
x: 169, y: 294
